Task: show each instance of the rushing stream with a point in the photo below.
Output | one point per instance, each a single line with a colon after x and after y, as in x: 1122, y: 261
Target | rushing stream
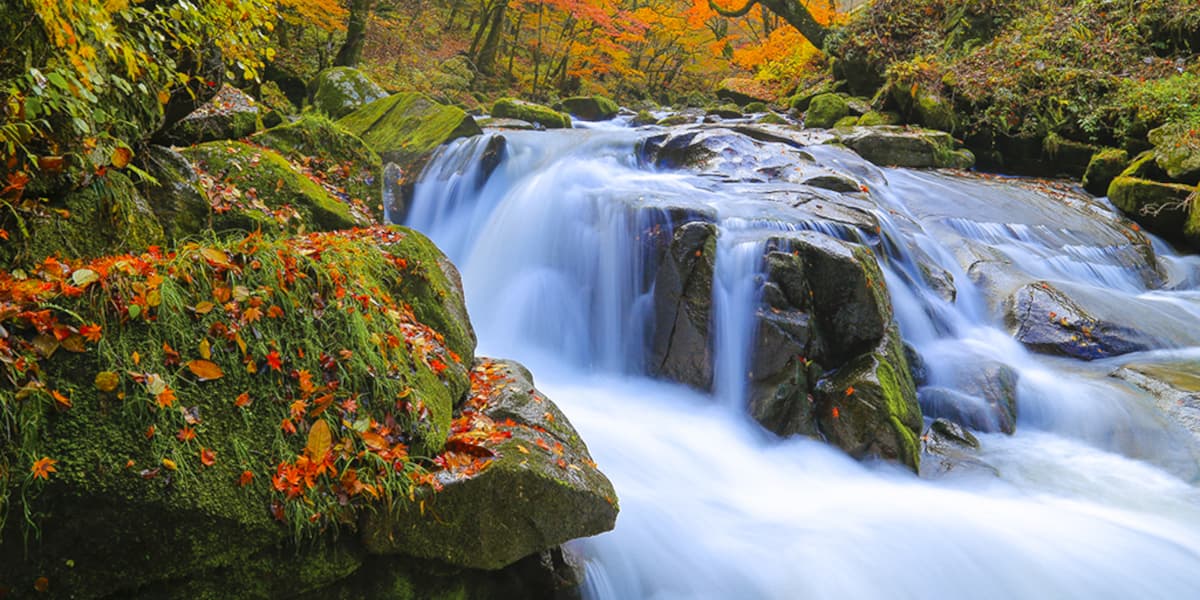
x: 1094, y: 496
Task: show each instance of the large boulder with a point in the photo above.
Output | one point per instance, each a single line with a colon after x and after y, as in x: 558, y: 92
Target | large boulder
x: 519, y: 447
x: 106, y: 216
x: 339, y: 91
x: 825, y: 110
x: 591, y: 108
x: 331, y: 156
x: 180, y: 202
x: 406, y: 128
x: 1146, y: 194
x: 231, y: 114
x: 511, y: 108
x: 681, y: 348
x: 907, y: 147
x: 1103, y: 168
x: 200, y: 406
x: 252, y: 188
x: 826, y: 360
x: 1046, y: 319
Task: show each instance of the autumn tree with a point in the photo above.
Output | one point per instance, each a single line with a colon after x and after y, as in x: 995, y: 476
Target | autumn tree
x: 795, y: 12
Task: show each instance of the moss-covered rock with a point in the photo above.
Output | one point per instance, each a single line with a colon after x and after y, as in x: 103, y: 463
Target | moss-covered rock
x: 179, y: 201
x: 772, y: 119
x: 551, y: 489
x: 339, y: 161
x: 673, y: 120
x: 591, y: 108
x: 642, y: 118
x: 256, y: 189
x: 107, y: 216
x: 874, y: 117
x: 725, y: 111
x: 339, y: 91
x: 1165, y: 209
x: 230, y: 114
x: 528, y: 111
x: 1177, y: 150
x: 192, y: 408
x: 1068, y: 157
x: 755, y: 107
x: 908, y: 147
x: 846, y: 122
x: 405, y: 128
x: 1103, y: 168
x: 825, y: 111
x: 802, y: 99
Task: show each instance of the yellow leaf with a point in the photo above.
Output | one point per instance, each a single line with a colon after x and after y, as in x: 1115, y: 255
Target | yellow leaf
x: 169, y: 464
x: 204, y: 308
x: 107, y: 381
x: 215, y: 256
x: 121, y: 156
x: 205, y: 370
x: 205, y: 349
x: 319, y: 441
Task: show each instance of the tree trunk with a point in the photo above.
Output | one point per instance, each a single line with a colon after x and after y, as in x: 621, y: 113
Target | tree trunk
x: 356, y: 33
x: 792, y: 11
x: 486, y: 60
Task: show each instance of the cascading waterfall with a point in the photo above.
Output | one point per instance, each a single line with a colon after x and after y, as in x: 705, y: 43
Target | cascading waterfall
x: 1093, y: 497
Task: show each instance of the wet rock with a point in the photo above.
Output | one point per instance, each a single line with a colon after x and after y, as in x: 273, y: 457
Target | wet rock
x: 230, y: 114
x: 511, y: 108
x: 591, y: 108
x: 907, y: 147
x: 549, y: 496
x: 982, y: 396
x: 643, y: 118
x: 834, y: 183
x: 681, y: 349
x: 916, y: 365
x: 944, y: 431
x: 825, y: 111
x: 1068, y: 157
x: 339, y: 91
x: 673, y: 120
x: 498, y: 123
x: 1162, y: 208
x: 1045, y: 319
x: 725, y: 111
x: 771, y: 118
x: 1175, y: 386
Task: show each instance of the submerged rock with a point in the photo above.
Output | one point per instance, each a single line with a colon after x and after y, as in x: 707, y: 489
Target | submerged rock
x: 982, y: 396
x: 1175, y: 386
x: 540, y: 489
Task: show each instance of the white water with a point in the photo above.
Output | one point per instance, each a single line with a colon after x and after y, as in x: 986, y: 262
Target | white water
x: 1091, y: 498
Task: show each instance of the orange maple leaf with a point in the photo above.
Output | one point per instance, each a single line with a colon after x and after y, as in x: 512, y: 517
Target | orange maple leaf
x: 44, y: 467
x: 208, y: 458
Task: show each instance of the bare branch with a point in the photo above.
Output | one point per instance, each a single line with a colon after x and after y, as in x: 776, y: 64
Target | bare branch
x: 734, y: 13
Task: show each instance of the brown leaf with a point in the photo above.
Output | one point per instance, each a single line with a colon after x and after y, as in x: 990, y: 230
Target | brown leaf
x: 121, y: 156
x: 205, y: 370
x: 320, y: 440
x: 216, y: 257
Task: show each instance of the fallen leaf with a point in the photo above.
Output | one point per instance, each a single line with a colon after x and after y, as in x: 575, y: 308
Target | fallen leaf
x: 205, y: 370
x: 41, y: 584
x: 242, y: 401
x: 60, y: 400
x: 121, y: 156
x: 246, y: 478
x: 320, y: 439
x: 208, y: 458
x: 84, y: 277
x: 43, y: 467
x: 205, y: 349
x: 204, y: 308
x: 169, y: 464
x: 107, y: 381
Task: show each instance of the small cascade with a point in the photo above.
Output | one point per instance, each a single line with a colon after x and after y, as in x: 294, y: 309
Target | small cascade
x: 562, y: 238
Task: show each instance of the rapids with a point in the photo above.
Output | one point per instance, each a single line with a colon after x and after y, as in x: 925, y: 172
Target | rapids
x: 1095, y: 496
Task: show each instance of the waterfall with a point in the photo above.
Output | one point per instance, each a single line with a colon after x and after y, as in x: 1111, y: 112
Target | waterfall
x: 1094, y: 496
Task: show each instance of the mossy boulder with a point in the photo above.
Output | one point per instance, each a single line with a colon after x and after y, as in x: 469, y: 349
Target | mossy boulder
x: 802, y: 99
x: 1166, y: 209
x: 179, y: 201
x: 107, y: 216
x: 545, y: 116
x: 642, y: 118
x: 337, y: 159
x: 1104, y: 166
x: 406, y: 128
x: 743, y: 91
x: 339, y: 91
x: 825, y: 111
x: 591, y: 108
x: 540, y: 487
x: 725, y: 111
x: 1177, y: 151
x: 231, y: 114
x: 193, y: 402
x: 869, y: 407
x: 1068, y: 157
x: 772, y: 119
x: 907, y: 147
x: 673, y: 120
x: 846, y: 122
x: 874, y: 117
x: 252, y: 188
x: 755, y: 107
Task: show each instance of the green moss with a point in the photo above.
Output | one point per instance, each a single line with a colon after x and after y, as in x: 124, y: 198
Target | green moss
x: 189, y: 517
x: 935, y: 112
x: 511, y: 108
x: 825, y: 111
x: 256, y: 188
x: 755, y: 107
x: 904, y: 414
x: 1104, y: 166
x: 591, y: 108
x: 347, y: 167
x: 846, y: 122
x: 338, y: 91
x: 772, y: 119
x: 406, y: 127
x: 108, y: 216
x: 872, y: 118
x: 674, y: 120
